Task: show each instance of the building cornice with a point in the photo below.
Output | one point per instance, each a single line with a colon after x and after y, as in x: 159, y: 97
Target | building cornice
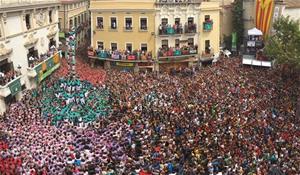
x: 22, y: 7
x: 27, y: 32
x: 63, y: 2
x: 122, y: 10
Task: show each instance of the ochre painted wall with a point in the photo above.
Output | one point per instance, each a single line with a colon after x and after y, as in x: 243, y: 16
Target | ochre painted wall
x: 120, y: 36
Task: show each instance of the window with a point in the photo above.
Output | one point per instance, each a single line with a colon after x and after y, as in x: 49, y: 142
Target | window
x: 59, y: 23
x: 50, y: 16
x: 75, y: 22
x: 31, y: 56
x: 144, y: 47
x: 164, y: 44
x: 28, y: 21
x: 79, y: 19
x: 143, y: 23
x: 0, y: 32
x: 177, y: 21
x: 164, y: 21
x: 113, y: 23
x: 100, y: 45
x: 207, y: 46
x: 129, y: 47
x: 100, y: 22
x: 128, y: 23
x: 207, y: 18
x: 52, y: 42
x: 114, y: 46
x: 190, y: 20
x: 71, y: 23
x: 191, y: 42
x: 177, y: 43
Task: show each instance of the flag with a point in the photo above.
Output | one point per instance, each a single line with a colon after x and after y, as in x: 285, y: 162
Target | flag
x: 264, y: 13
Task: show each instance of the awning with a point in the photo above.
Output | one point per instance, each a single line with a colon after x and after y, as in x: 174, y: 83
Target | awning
x: 255, y: 32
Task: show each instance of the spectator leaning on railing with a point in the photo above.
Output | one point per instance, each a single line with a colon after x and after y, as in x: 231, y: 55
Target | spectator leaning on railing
x: 7, y: 77
x: 123, y: 54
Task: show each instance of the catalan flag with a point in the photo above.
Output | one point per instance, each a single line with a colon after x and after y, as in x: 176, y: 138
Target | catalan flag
x: 264, y: 13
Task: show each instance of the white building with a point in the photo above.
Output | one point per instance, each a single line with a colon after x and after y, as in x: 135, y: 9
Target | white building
x: 27, y: 28
x: 292, y: 9
x: 194, y: 24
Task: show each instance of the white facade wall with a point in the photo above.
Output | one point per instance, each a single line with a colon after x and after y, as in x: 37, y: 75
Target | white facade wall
x: 16, y: 36
x: 177, y: 12
x: 294, y: 13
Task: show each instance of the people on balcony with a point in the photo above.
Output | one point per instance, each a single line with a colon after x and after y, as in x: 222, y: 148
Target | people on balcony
x: 167, y: 29
x: 34, y: 60
x: 123, y: 54
x: 6, y: 77
x: 177, y: 51
x: 190, y: 27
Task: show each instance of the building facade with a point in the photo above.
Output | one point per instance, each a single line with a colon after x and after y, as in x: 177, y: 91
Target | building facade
x: 123, y: 25
x: 74, y: 13
x: 156, y: 26
x: 28, y: 28
x: 226, y: 18
x: 292, y: 9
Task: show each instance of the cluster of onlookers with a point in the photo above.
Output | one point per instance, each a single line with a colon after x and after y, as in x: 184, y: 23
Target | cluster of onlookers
x: 224, y: 119
x: 34, y: 59
x: 177, y: 51
x: 8, y: 76
x: 122, y: 54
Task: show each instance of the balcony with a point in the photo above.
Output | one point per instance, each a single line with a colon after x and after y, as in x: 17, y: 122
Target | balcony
x: 45, y: 68
x: 113, y: 29
x: 128, y: 29
x: 99, y: 27
x: 165, y: 30
x: 120, y: 55
x: 183, y: 52
x: 208, y: 25
x: 143, y: 29
x: 190, y: 28
x: 12, y: 87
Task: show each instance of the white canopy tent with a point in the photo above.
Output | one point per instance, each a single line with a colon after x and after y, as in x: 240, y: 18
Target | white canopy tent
x: 255, y: 32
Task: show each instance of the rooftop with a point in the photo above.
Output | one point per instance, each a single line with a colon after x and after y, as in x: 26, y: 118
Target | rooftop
x: 8, y: 5
x: 292, y: 3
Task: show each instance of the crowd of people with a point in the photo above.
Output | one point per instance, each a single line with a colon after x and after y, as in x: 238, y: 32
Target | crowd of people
x: 224, y: 119
x: 34, y: 59
x: 177, y: 28
x: 122, y: 54
x: 177, y: 51
x: 8, y: 76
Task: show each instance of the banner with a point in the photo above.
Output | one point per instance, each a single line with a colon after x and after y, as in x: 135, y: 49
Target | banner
x: 124, y: 64
x: 15, y: 87
x: 264, y: 13
x: 234, y: 42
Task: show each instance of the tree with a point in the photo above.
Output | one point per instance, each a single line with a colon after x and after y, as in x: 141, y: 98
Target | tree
x: 284, y: 45
x: 237, y: 21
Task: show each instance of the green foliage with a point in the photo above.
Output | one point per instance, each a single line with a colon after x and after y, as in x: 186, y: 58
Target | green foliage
x: 284, y: 44
x: 237, y: 20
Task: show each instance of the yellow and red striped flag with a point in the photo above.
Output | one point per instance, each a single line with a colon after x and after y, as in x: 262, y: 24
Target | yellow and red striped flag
x: 264, y: 13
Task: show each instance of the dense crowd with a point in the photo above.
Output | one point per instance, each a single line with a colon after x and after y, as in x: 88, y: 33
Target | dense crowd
x: 224, y: 119
x: 121, y: 54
